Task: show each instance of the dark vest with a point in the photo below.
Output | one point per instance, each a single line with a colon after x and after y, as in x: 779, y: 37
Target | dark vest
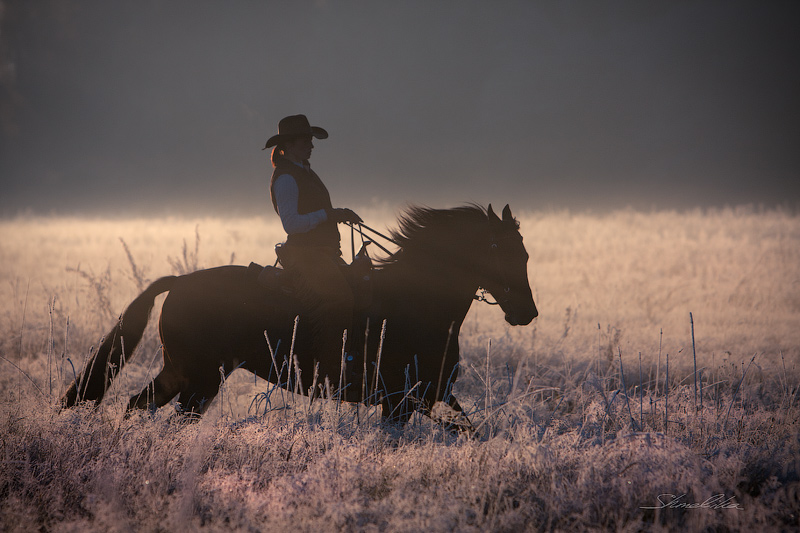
x: 312, y: 195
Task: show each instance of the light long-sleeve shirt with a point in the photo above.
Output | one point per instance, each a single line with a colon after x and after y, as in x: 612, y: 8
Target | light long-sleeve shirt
x: 286, y: 197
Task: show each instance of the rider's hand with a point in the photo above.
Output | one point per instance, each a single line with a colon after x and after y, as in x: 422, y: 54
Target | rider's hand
x: 343, y: 215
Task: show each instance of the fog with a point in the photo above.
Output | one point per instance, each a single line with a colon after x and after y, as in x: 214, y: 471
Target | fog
x: 159, y: 107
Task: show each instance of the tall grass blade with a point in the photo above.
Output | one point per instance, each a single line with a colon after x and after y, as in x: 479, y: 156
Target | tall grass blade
x: 694, y: 356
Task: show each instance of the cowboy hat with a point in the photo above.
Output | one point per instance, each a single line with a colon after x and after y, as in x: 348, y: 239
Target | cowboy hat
x: 295, y: 126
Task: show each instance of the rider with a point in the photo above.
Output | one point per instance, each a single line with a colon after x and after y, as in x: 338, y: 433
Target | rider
x: 311, y: 249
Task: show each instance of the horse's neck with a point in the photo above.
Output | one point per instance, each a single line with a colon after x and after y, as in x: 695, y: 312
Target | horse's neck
x: 439, y: 290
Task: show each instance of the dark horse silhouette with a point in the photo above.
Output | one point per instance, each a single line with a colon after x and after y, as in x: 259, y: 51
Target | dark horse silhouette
x: 219, y: 318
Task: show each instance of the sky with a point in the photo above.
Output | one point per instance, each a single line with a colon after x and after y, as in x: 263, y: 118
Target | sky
x: 157, y: 107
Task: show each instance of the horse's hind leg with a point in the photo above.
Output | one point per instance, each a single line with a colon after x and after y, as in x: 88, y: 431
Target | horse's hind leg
x: 197, y: 395
x: 157, y: 393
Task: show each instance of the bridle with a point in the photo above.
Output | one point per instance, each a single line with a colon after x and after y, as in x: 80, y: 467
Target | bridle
x: 482, y: 297
x: 366, y: 239
x: 493, y: 247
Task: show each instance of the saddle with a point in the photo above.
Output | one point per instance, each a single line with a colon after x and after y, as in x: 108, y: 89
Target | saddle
x: 358, y: 274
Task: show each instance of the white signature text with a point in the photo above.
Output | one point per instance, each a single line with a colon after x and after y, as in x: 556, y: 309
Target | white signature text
x: 717, y: 501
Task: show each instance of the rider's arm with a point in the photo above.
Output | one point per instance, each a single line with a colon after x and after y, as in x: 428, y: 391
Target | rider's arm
x: 286, y: 195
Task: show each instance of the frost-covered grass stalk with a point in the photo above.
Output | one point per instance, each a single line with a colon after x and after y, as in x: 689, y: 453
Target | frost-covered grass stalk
x: 558, y: 447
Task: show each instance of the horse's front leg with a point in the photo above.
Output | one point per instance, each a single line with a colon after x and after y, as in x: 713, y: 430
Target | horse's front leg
x: 397, y: 413
x: 450, y: 415
x: 454, y: 418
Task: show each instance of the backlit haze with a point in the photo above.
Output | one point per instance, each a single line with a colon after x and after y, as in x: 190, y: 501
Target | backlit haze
x: 162, y: 107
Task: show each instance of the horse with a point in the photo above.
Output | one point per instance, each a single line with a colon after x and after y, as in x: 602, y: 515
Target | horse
x: 221, y: 318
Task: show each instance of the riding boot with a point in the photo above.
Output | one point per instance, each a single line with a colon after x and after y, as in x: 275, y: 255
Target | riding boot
x: 330, y: 320
x: 326, y: 297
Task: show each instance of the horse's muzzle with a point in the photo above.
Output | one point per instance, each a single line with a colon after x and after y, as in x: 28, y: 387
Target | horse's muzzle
x: 522, y: 318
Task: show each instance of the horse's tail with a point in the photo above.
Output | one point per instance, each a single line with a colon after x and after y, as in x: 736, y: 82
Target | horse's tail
x: 104, y: 365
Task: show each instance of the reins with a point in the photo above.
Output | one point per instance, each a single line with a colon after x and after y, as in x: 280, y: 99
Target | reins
x: 366, y: 239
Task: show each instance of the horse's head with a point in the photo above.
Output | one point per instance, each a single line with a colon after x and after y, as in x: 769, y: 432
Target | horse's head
x: 464, y: 247
x: 504, y: 271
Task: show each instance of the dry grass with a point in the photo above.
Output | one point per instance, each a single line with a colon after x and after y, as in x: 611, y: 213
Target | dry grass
x: 563, y: 444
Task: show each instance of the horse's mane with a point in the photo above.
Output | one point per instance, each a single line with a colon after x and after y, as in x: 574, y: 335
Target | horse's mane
x: 422, y: 227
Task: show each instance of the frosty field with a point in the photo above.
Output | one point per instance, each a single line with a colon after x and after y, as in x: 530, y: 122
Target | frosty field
x: 582, y: 426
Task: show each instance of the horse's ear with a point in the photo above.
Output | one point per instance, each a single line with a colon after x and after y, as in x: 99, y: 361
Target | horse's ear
x: 494, y: 219
x: 507, y: 216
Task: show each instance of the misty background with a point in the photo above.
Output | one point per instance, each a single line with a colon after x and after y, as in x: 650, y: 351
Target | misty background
x: 162, y: 107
